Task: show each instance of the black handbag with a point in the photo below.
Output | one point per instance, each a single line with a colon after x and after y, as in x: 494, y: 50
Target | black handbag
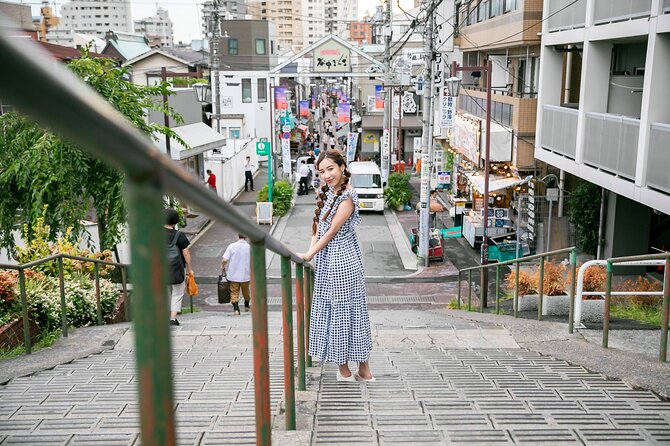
x: 223, y: 287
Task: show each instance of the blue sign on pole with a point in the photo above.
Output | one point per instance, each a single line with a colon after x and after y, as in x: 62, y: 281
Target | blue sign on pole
x: 286, y: 136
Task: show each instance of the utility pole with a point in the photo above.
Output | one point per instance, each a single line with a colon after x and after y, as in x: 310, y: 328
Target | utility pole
x: 386, y: 135
x: 212, y: 10
x: 426, y: 138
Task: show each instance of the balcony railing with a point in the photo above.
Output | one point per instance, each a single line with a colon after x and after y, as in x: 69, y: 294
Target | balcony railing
x: 611, y: 143
x: 559, y: 130
x: 502, y: 91
x: 607, y: 11
x: 562, y: 17
x: 658, y: 173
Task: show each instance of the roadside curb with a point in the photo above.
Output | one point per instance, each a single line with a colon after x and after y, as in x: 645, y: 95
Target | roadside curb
x: 401, y: 242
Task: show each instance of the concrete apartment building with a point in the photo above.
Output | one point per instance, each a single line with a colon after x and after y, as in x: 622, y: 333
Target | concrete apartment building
x: 287, y: 16
x: 604, y: 113
x: 314, y: 24
x: 360, y: 32
x: 249, y: 53
x: 502, y: 31
x: 338, y: 15
x: 96, y: 17
x: 157, y: 28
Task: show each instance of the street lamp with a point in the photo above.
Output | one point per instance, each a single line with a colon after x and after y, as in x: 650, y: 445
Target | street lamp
x: 455, y: 85
x: 200, y: 90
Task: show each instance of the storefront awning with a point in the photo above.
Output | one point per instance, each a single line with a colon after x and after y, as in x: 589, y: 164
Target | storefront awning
x: 496, y: 182
x: 199, y: 136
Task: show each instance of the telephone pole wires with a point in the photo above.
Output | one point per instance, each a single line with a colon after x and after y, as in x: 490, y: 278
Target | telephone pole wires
x: 386, y: 135
x: 427, y: 134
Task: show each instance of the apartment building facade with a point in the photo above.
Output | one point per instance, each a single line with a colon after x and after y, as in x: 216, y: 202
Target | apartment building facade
x: 157, y: 28
x: 604, y: 114
x: 505, y: 32
x: 287, y: 16
x: 96, y: 17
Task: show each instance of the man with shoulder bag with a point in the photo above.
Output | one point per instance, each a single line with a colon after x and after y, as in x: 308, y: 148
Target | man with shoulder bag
x: 179, y: 263
x: 237, y: 259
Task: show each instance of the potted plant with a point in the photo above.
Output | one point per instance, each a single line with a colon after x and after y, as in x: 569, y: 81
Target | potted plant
x: 398, y: 193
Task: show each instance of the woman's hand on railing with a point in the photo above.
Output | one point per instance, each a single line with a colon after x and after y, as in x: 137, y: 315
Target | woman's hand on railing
x: 305, y: 256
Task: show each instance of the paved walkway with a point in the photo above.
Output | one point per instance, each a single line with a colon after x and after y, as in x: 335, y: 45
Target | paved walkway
x: 440, y: 380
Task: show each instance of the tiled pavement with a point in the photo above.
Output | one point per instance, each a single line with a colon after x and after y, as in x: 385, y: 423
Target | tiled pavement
x: 440, y: 380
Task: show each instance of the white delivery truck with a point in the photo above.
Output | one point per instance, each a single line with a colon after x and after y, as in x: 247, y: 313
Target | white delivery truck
x: 366, y: 178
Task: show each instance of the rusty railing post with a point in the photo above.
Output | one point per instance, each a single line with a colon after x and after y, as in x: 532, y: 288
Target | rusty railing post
x: 98, y: 306
x: 300, y: 316
x: 287, y: 330
x: 150, y: 310
x: 470, y: 290
x: 308, y: 309
x: 608, y: 295
x: 24, y: 311
x: 666, y: 304
x: 516, y: 289
x: 540, y: 291
x: 63, y: 307
x: 458, y: 291
x: 498, y: 289
x: 571, y: 293
x: 126, y: 298
x: 259, y: 318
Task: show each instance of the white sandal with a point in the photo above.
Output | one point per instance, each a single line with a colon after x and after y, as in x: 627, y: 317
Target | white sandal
x: 360, y: 378
x: 351, y: 378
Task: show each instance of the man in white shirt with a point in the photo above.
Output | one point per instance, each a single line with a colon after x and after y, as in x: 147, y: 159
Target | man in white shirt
x: 248, y: 174
x: 238, y: 260
x: 304, y: 178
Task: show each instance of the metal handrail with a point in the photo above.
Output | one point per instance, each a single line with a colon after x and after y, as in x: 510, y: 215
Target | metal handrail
x: 517, y: 262
x: 21, y: 268
x: 36, y: 86
x: 663, y: 350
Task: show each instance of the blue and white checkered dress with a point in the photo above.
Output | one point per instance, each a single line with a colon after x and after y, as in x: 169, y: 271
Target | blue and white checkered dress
x: 339, y: 325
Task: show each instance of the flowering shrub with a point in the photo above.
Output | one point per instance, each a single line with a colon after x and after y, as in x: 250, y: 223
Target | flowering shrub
x: 39, y: 247
x: 44, y: 305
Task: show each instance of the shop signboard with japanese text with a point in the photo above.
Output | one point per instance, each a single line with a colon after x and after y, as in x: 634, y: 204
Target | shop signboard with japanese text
x: 447, y: 110
x: 286, y: 155
x: 331, y: 57
x: 466, y: 136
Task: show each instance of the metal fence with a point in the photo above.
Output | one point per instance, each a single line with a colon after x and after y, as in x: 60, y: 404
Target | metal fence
x: 53, y: 97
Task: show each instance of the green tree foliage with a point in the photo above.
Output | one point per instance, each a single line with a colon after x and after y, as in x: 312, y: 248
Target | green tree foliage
x: 39, y: 170
x: 585, y: 215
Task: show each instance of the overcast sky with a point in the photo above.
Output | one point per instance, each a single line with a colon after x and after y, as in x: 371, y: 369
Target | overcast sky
x: 185, y: 14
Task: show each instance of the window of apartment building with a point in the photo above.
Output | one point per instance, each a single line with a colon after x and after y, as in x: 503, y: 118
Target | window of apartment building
x: 260, y: 46
x: 234, y: 132
x: 482, y: 10
x: 272, y: 46
x: 262, y: 86
x: 510, y: 5
x: 246, y: 90
x: 232, y: 47
x: 495, y: 8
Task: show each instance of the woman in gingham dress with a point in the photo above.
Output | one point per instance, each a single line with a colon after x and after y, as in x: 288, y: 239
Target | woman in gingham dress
x: 339, y: 325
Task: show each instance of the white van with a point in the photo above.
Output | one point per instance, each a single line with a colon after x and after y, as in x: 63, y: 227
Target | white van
x: 366, y: 178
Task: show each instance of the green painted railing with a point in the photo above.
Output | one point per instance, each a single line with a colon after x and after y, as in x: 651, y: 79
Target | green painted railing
x: 516, y: 263
x: 58, y: 258
x: 663, y: 350
x: 56, y: 99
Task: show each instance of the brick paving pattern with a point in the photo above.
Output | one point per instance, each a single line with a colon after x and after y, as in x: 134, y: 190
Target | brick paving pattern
x: 440, y: 380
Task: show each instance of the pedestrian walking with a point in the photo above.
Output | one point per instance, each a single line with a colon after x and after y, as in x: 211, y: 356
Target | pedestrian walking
x: 248, y: 174
x: 303, y: 185
x: 339, y: 324
x: 237, y: 260
x: 179, y: 259
x: 211, y: 180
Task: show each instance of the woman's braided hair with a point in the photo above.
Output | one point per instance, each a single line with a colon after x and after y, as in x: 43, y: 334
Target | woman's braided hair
x: 336, y: 157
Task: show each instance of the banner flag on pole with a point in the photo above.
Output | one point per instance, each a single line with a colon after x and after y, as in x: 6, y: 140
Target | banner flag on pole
x: 343, y: 111
x: 280, y: 99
